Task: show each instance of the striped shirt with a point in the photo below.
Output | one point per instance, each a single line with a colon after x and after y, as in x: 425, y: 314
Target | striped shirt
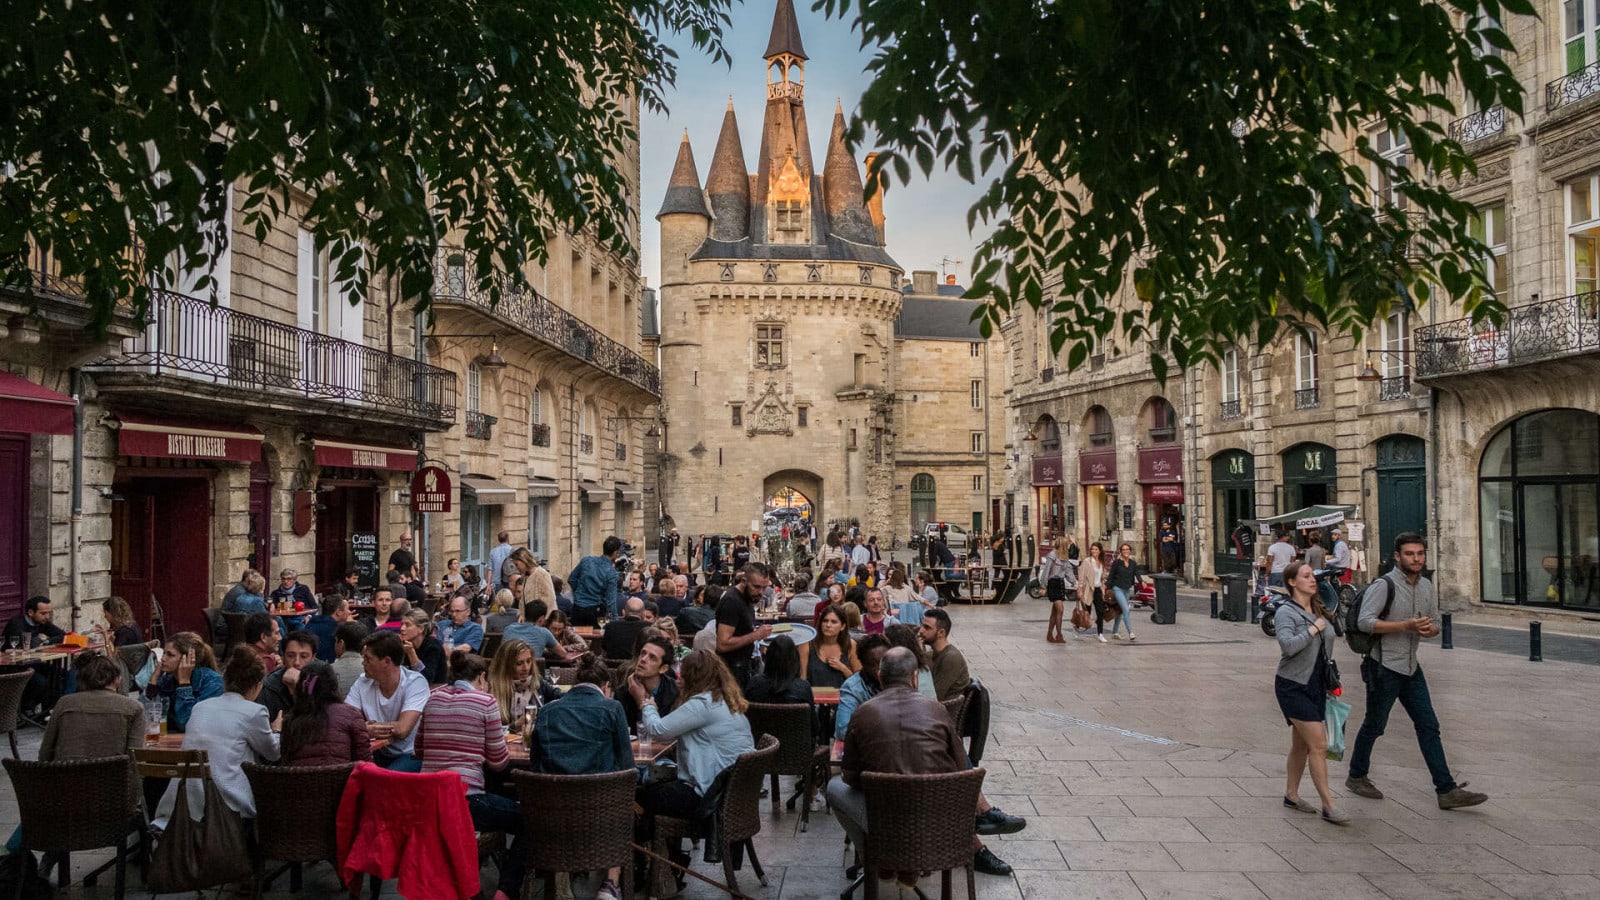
x: 461, y: 732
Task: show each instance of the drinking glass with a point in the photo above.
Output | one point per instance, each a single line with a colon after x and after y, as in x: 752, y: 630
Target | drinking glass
x: 154, y: 724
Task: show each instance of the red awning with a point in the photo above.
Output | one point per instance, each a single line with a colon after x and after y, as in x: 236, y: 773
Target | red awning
x: 153, y: 436
x: 344, y: 454
x: 32, y: 408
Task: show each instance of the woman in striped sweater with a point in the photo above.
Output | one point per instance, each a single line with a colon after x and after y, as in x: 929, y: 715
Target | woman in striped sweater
x: 461, y: 732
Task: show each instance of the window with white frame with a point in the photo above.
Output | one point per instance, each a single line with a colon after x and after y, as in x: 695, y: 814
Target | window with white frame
x: 977, y: 442
x: 977, y: 394
x: 1580, y: 30
x: 1393, y: 147
x: 1489, y: 226
x: 1305, y: 362
x: 536, y: 407
x: 976, y: 349
x: 977, y: 483
x: 1583, y: 234
x: 1394, y: 331
x: 316, y: 315
x: 1230, y: 375
x: 474, y: 387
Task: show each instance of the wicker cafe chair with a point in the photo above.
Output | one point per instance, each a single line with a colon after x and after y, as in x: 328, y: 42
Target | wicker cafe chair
x: 576, y: 823
x: 491, y: 644
x: 297, y: 809
x: 77, y: 804
x: 235, y: 621
x: 739, y: 809
x: 12, y: 684
x: 798, y: 753
x: 956, y: 707
x: 920, y: 823
x: 563, y: 674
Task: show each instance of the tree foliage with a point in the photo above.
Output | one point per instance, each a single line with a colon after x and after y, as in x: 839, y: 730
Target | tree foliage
x: 401, y: 122
x: 1196, y: 147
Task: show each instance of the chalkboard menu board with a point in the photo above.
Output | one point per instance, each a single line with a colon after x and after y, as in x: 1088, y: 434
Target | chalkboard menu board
x: 364, y: 554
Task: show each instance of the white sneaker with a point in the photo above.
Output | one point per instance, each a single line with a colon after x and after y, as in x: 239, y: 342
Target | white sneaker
x: 1132, y: 636
x: 1116, y: 635
x: 1101, y: 637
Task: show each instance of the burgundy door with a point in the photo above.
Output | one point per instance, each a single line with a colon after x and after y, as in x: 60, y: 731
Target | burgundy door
x: 174, y: 566
x: 14, y: 487
x: 260, y: 519
x: 340, y: 511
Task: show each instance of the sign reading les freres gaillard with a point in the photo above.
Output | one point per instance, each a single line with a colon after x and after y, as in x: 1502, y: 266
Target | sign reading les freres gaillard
x: 430, y: 490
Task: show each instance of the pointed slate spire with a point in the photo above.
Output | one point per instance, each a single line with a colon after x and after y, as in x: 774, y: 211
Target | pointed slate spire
x: 842, y: 190
x: 683, y: 190
x: 785, y: 33
x: 728, y: 184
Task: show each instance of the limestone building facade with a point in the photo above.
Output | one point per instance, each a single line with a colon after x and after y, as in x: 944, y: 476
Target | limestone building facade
x: 778, y: 304
x: 1486, y: 439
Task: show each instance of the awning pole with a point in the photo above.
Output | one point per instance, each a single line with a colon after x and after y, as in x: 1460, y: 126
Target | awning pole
x: 74, y: 524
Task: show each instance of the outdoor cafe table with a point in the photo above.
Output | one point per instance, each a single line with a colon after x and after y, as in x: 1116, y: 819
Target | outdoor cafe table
x: 59, y: 655
x: 514, y: 744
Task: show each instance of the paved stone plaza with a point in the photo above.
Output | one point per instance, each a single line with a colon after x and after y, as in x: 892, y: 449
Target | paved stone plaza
x: 1154, y: 769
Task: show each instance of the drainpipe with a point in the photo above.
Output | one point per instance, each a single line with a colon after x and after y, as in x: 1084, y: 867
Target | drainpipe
x: 75, y: 523
x: 419, y: 353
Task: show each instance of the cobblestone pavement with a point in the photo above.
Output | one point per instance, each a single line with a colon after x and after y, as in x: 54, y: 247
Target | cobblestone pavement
x: 1154, y: 770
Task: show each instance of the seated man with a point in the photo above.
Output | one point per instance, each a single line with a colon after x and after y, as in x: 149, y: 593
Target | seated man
x: 261, y: 634
x: 650, y: 613
x: 460, y: 632
x: 391, y: 697
x: 805, y: 601
x: 299, y: 650
x: 34, y: 628
x: 667, y: 599
x: 290, y: 591
x: 334, y: 611
x: 694, y: 616
x: 531, y: 631
x: 653, y: 667
x: 383, y: 614
x: 348, y: 640
x: 863, y: 685
x: 880, y: 732
x: 617, y: 641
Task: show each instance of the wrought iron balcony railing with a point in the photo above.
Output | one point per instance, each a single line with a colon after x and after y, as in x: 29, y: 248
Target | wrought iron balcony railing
x: 1572, y: 88
x: 1395, y: 388
x: 586, y: 443
x: 191, y: 338
x: 1307, y: 398
x: 1483, y: 124
x: 1533, y: 332
x: 540, y: 435
x: 479, y: 426
x: 1232, y: 410
x: 536, y: 316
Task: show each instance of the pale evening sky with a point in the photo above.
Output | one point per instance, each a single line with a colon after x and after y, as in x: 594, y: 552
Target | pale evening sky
x: 926, y: 219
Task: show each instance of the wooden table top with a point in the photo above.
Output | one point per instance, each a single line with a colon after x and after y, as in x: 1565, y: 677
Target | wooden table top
x: 57, y: 654
x: 658, y: 750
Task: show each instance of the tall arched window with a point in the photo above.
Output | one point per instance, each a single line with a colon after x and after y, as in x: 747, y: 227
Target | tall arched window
x: 1538, y: 496
x: 924, y: 501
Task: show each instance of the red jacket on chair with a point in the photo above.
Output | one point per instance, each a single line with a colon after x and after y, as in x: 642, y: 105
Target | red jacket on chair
x: 416, y: 826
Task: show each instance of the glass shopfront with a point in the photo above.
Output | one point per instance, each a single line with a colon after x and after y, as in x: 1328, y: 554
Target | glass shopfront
x: 1233, y: 482
x: 1538, y: 497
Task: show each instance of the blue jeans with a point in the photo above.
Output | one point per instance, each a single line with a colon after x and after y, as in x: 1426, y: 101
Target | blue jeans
x: 1275, y: 579
x: 1123, y: 619
x: 492, y: 812
x: 1384, y: 687
x: 398, y: 762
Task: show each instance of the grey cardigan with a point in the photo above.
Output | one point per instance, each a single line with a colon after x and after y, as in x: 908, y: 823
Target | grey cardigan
x: 1299, y: 645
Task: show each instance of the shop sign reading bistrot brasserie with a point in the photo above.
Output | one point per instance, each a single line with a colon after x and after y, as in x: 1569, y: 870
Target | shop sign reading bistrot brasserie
x: 430, y: 490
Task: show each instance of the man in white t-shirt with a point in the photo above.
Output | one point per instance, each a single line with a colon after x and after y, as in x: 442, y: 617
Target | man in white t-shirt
x: 1279, y: 555
x: 391, y: 697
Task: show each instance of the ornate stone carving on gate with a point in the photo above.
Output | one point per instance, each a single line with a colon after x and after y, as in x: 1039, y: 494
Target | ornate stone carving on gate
x: 770, y: 413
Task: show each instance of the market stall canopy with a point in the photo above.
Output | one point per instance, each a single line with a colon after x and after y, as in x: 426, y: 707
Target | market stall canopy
x: 33, y: 409
x: 1310, y: 517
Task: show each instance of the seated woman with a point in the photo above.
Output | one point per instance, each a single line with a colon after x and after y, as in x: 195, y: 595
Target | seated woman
x: 97, y: 721
x: 461, y: 732
x: 188, y: 676
x: 424, y: 653
x: 585, y: 732
x: 502, y: 612
x: 514, y: 681
x: 781, y: 681
x: 572, y: 643
x: 253, y: 598
x: 711, y: 731
x: 120, y: 630
x: 233, y: 730
x: 319, y: 728
x: 831, y: 658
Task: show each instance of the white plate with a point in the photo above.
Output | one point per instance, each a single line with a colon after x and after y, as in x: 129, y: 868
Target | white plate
x: 799, y: 635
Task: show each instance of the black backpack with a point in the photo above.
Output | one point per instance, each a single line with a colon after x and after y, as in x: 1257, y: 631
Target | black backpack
x: 1360, y: 641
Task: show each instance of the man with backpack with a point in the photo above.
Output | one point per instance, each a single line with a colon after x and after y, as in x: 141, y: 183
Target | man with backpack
x: 1392, y: 616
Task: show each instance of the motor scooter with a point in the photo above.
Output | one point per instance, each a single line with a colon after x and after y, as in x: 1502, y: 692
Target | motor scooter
x: 1332, y: 593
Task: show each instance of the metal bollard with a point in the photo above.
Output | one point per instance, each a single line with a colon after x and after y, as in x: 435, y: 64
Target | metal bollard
x: 1213, y: 604
x: 1255, y: 610
x: 1445, y: 640
x: 1535, y: 641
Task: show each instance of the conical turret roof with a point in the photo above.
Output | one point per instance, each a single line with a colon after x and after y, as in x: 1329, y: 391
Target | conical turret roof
x: 785, y: 33
x: 683, y: 190
x: 842, y: 189
x: 728, y: 183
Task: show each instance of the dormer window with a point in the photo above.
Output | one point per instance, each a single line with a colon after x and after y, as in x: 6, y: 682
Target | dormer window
x: 791, y: 216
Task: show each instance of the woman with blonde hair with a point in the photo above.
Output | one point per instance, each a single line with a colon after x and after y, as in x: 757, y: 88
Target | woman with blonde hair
x: 514, y: 681
x: 424, y: 653
x: 120, y: 630
x: 711, y: 730
x: 903, y: 598
x: 1091, y: 587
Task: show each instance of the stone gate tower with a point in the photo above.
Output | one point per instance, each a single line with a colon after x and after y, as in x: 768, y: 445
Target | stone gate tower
x: 778, y: 304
